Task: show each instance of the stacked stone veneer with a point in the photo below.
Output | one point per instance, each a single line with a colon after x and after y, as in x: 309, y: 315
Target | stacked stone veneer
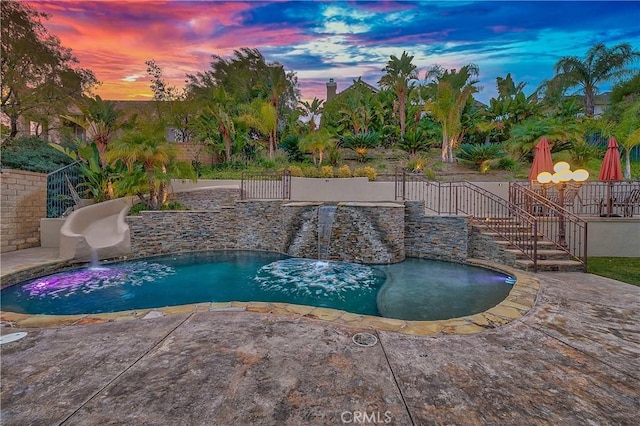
x: 435, y: 237
x: 484, y: 247
x: 361, y: 232
x: 24, y: 203
x: 207, y: 198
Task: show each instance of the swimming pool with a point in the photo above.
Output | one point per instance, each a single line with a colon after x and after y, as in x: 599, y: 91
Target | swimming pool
x: 416, y: 289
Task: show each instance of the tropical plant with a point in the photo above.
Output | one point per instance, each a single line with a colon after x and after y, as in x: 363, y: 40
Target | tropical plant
x: 312, y: 111
x: 290, y: 145
x: 600, y: 65
x: 480, y: 155
x: 560, y: 134
x: 150, y: 161
x: 262, y: 117
x: 628, y: 133
x: 448, y: 95
x: 360, y: 143
x: 316, y: 143
x: 414, y: 141
x: 399, y: 73
x: 101, y: 120
x: 214, y: 121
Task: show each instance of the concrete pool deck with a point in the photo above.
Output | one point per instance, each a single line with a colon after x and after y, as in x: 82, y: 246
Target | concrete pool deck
x: 574, y: 358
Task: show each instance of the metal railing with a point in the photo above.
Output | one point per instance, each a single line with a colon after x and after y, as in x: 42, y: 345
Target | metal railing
x: 562, y: 227
x: 59, y: 196
x: 509, y: 221
x: 596, y: 198
x: 266, y: 186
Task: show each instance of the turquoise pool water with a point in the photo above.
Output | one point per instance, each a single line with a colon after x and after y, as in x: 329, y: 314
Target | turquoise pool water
x: 416, y: 289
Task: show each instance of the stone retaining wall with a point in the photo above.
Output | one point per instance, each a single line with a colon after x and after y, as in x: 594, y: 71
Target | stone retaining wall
x: 24, y: 203
x: 362, y: 232
x: 435, y: 237
x: 211, y: 198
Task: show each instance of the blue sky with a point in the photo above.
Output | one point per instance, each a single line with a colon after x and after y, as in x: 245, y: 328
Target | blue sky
x: 330, y: 39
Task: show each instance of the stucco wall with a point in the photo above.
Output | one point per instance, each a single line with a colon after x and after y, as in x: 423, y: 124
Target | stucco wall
x: 24, y: 203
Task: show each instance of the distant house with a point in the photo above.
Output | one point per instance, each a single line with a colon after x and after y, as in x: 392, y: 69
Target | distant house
x: 332, y: 88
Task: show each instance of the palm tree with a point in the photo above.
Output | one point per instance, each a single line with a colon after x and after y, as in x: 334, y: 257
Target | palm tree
x: 150, y: 161
x: 316, y: 143
x: 399, y: 72
x: 215, y: 119
x: 100, y: 119
x: 628, y: 133
x: 312, y: 111
x: 599, y: 66
x: 449, y: 95
x: 262, y: 116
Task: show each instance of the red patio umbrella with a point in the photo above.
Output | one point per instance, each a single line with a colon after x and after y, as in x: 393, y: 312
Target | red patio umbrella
x: 542, y: 161
x: 611, y: 169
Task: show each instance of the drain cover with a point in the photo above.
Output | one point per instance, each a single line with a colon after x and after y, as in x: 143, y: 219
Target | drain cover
x: 8, y: 338
x: 364, y: 339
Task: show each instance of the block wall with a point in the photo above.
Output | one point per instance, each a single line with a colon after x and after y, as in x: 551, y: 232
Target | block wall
x: 24, y: 203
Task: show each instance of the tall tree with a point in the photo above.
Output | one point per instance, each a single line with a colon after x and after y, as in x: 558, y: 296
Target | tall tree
x: 311, y: 111
x: 600, y: 65
x: 215, y: 120
x: 37, y: 72
x: 449, y: 92
x: 399, y: 73
x: 261, y: 116
x: 628, y: 133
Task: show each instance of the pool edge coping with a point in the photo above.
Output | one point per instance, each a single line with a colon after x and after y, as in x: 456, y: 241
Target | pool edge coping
x: 521, y: 298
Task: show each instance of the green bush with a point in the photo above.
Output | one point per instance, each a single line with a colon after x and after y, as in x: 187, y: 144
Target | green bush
x: 310, y: 171
x: 33, y: 154
x: 507, y: 163
x: 343, y: 171
x: 368, y: 172
x: 290, y: 145
x: 326, y: 172
x: 296, y: 171
x: 417, y: 164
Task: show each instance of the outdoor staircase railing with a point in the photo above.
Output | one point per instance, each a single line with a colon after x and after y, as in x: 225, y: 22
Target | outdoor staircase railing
x: 564, y: 228
x: 266, y: 186
x: 509, y: 221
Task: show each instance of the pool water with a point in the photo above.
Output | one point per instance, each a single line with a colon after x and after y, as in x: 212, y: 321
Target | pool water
x: 416, y: 289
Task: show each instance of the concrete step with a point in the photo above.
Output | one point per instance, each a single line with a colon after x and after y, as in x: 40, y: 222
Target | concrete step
x: 543, y: 254
x: 542, y: 244
x: 550, y: 265
x: 513, y: 235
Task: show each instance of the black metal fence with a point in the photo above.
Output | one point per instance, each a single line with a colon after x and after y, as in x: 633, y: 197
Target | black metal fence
x: 59, y: 196
x: 266, y: 186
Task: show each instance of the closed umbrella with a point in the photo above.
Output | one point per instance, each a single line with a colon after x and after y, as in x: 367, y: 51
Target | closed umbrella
x: 611, y: 169
x: 542, y: 161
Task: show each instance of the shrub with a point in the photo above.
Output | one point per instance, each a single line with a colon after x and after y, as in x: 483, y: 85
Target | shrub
x: 368, y: 172
x: 326, y: 172
x: 343, y: 171
x: 361, y: 143
x: 296, y: 171
x: 171, y: 205
x: 33, y: 154
x: 417, y: 164
x: 507, y: 163
x: 310, y: 171
x: 290, y: 145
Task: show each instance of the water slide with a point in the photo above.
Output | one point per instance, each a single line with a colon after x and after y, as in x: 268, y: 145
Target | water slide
x: 98, y: 230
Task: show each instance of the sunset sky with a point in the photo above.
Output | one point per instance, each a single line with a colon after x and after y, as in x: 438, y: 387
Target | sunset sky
x: 340, y: 40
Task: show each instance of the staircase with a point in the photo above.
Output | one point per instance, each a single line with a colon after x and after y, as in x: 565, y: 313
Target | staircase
x: 510, y: 237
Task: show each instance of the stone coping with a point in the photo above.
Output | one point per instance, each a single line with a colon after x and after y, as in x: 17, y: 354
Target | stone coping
x: 370, y: 204
x: 518, y: 302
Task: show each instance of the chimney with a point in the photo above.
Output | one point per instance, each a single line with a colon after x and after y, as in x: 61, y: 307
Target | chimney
x: 331, y: 89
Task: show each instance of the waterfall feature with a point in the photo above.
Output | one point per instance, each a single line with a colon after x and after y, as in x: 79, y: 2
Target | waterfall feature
x: 325, y: 223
